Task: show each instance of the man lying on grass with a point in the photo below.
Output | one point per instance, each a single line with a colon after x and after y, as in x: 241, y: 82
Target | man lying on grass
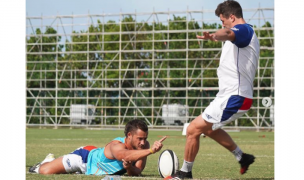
x: 121, y: 155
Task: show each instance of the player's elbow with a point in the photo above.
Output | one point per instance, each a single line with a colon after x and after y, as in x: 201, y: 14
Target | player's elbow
x: 134, y: 174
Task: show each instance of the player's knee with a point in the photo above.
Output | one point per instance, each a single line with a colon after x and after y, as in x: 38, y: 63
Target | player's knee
x: 193, y: 132
x: 44, y: 170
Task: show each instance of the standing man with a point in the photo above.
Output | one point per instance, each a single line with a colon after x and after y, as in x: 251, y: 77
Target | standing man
x: 122, y: 155
x: 236, y: 72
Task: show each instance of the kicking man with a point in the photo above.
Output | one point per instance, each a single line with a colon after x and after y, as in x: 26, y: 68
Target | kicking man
x: 236, y: 72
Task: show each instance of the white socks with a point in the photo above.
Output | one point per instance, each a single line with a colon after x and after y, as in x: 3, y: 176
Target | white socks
x: 49, y: 158
x: 237, y: 153
x: 187, y: 166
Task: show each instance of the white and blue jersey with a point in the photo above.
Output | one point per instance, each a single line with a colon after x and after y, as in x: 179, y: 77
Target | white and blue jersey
x: 236, y: 72
x: 99, y: 164
x: 238, y: 63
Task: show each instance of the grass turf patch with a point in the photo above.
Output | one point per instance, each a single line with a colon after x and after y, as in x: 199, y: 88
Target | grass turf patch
x: 212, y: 161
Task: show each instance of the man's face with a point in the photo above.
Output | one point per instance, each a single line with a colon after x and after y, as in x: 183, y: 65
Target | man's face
x: 138, y: 139
x: 227, y: 22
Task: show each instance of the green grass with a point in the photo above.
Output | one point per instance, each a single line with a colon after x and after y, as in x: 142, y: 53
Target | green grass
x: 212, y: 161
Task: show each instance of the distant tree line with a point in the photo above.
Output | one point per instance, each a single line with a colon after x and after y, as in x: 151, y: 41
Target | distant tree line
x: 75, y: 64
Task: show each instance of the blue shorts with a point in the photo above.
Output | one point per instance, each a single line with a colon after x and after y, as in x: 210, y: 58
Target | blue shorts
x: 83, y: 152
x: 223, y: 110
x: 76, y: 161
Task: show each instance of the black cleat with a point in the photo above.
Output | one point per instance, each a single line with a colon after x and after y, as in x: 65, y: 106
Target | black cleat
x: 34, y: 169
x: 180, y: 175
x: 246, y: 160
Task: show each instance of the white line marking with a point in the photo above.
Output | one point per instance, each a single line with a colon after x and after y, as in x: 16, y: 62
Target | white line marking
x: 64, y: 139
x: 227, y: 155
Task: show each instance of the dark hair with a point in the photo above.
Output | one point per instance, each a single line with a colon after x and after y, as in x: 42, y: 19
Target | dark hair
x: 229, y: 7
x: 135, y: 124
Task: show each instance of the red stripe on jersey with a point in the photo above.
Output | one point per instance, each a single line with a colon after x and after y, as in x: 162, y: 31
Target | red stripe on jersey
x: 89, y: 148
x: 246, y: 104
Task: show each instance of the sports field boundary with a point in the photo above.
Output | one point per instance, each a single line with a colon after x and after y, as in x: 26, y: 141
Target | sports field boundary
x: 151, y: 128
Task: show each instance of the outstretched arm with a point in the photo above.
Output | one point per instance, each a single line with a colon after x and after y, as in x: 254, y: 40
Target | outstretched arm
x: 119, y: 152
x: 220, y: 35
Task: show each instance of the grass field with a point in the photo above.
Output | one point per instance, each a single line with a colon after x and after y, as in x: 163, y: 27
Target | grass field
x: 212, y: 161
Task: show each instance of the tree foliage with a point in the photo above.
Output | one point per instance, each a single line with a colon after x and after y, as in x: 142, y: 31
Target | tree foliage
x: 92, y: 58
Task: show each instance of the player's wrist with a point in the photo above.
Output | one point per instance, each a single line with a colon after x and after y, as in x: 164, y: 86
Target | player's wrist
x: 151, y: 151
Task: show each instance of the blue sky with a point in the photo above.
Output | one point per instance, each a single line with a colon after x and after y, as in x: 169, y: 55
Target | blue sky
x: 67, y: 7
x: 49, y: 8
x: 80, y: 7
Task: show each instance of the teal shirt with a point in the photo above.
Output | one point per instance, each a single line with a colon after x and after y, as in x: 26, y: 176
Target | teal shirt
x: 98, y: 164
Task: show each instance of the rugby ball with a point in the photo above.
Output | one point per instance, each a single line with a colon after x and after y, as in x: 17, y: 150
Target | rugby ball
x: 167, y: 163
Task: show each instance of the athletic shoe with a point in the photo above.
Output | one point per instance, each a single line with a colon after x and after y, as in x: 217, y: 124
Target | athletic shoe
x: 34, y: 169
x: 180, y: 175
x: 50, y: 157
x: 245, y: 161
